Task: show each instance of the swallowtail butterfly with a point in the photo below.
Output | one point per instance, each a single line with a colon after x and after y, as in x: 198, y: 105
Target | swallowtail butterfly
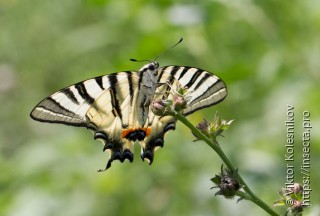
x: 116, y: 107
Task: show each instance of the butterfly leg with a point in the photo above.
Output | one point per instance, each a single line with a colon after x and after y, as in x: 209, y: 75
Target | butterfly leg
x: 160, y: 84
x: 147, y: 102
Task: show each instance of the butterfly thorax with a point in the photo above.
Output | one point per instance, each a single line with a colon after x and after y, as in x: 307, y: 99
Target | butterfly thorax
x: 146, y: 90
x: 148, y: 83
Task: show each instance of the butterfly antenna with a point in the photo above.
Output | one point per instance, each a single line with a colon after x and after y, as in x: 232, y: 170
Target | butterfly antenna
x: 135, y: 60
x: 163, y: 52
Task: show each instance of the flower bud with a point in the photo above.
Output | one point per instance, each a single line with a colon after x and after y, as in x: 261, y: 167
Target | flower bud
x: 179, y: 103
x: 214, y: 128
x: 203, y: 126
x: 227, y: 182
x: 296, y: 207
x: 291, y: 196
x: 297, y: 188
x: 158, y: 107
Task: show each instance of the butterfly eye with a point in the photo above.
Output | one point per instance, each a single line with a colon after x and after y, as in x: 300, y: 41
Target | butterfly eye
x: 151, y: 67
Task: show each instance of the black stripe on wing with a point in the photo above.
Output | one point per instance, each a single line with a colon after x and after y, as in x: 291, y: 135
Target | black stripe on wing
x: 99, y: 82
x: 171, y: 79
x: 113, y: 91
x: 216, y: 87
x: 70, y: 95
x: 219, y: 88
x: 83, y: 93
x: 203, y: 80
x: 131, y: 91
x: 194, y: 77
x: 52, y: 106
x: 183, y: 72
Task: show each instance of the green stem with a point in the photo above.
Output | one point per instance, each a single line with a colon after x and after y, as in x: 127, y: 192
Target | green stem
x: 218, y: 150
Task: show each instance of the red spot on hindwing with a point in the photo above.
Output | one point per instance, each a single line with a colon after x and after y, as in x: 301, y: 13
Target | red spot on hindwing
x: 125, y: 132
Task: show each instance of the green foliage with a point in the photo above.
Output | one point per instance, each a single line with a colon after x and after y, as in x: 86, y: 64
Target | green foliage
x: 267, y: 52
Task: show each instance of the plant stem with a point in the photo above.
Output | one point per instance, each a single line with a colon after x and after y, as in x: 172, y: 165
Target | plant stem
x: 218, y: 150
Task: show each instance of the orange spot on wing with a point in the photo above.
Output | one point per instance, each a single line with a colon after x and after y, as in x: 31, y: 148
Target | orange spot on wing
x: 124, y: 133
x: 147, y: 130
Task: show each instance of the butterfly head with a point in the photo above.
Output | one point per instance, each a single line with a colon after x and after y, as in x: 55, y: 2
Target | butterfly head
x: 151, y: 68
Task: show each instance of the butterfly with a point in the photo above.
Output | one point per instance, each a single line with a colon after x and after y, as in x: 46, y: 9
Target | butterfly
x: 116, y: 107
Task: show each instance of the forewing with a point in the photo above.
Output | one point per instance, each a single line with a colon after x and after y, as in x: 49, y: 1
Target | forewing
x: 204, y: 88
x: 70, y: 105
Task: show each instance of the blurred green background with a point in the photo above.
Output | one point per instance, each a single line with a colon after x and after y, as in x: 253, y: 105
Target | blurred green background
x: 267, y: 52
